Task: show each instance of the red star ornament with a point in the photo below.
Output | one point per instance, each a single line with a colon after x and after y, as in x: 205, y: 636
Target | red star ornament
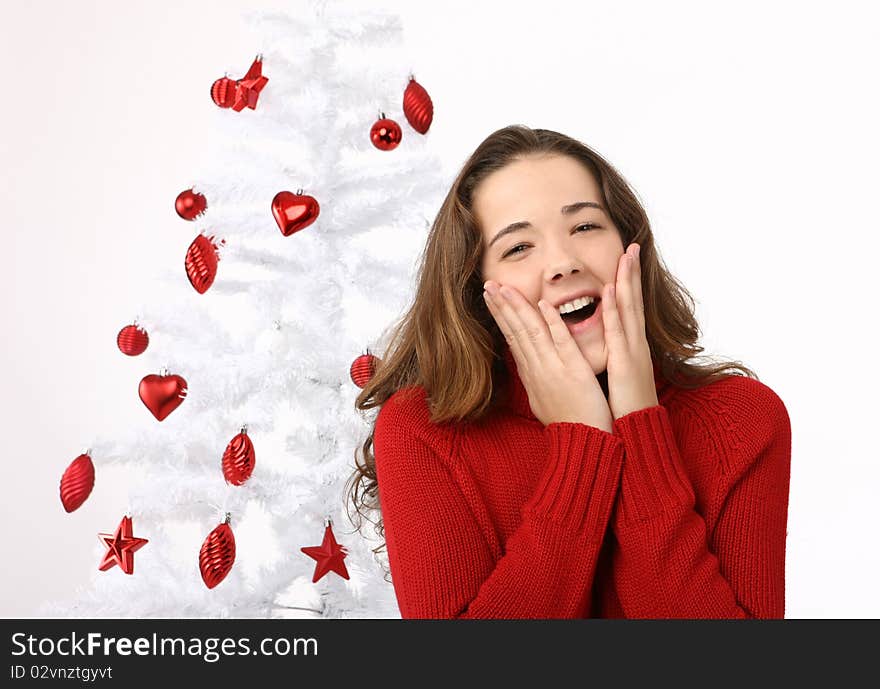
x: 121, y: 547
x: 247, y: 89
x: 329, y: 556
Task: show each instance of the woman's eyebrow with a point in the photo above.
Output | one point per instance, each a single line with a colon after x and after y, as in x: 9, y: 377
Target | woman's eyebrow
x: 566, y: 210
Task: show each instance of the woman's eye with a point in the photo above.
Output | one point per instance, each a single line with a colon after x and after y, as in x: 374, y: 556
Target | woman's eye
x: 515, y: 250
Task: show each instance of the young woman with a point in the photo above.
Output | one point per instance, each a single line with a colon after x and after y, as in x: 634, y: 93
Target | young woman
x: 546, y: 447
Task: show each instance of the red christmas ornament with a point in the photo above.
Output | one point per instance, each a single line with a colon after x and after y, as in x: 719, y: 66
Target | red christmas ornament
x: 121, y: 547
x: 132, y: 340
x: 77, y: 482
x: 243, y: 93
x: 385, y: 133
x: 190, y: 204
x: 201, y: 262
x: 162, y: 394
x: 363, y: 368
x: 239, y: 459
x: 217, y: 554
x: 293, y: 212
x: 249, y: 86
x: 329, y: 556
x: 417, y: 106
x: 223, y: 92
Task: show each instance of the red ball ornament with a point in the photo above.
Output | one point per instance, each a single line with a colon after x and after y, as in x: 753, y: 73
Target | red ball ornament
x: 239, y: 459
x: 201, y: 262
x: 132, y: 340
x: 217, y: 554
x: 190, y: 204
x: 329, y: 555
x: 121, y: 547
x: 363, y: 368
x: 223, y: 92
x: 77, y: 482
x: 162, y: 394
x: 294, y: 212
x: 385, y: 133
x: 417, y: 106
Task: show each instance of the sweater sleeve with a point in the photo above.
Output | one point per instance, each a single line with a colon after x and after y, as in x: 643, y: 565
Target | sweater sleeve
x: 442, y: 563
x: 666, y: 566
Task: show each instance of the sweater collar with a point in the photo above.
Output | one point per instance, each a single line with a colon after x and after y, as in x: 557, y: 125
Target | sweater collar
x: 518, y: 398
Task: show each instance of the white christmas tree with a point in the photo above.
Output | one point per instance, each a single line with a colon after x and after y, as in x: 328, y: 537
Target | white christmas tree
x: 270, y: 343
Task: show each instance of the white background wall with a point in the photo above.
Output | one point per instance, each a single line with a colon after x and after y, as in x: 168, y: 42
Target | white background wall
x: 748, y: 130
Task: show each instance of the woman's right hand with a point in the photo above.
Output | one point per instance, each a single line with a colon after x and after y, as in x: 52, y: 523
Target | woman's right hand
x: 560, y: 382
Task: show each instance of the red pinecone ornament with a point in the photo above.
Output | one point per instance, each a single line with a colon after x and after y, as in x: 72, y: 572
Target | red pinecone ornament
x: 217, y: 555
x: 362, y: 369
x: 417, y: 106
x: 201, y: 262
x: 77, y: 482
x: 190, y: 204
x: 132, y: 340
x: 385, y: 134
x: 239, y: 459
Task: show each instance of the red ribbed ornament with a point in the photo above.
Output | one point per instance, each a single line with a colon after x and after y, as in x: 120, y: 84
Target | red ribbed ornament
x: 190, y: 204
x: 217, y: 555
x: 223, y: 92
x: 385, y: 134
x: 417, y: 106
x: 239, y: 459
x: 77, y: 482
x: 362, y: 369
x: 201, y: 262
x: 132, y: 340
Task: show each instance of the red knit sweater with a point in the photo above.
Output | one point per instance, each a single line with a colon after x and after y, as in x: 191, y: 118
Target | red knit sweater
x: 681, y: 512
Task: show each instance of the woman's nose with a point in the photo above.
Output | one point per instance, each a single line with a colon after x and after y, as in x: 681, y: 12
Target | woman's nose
x: 563, y: 265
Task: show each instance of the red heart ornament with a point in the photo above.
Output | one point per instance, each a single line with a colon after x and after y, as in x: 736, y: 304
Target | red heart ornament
x: 293, y: 212
x: 162, y: 394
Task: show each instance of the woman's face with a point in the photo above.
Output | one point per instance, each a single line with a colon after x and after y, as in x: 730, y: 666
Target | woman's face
x: 557, y: 248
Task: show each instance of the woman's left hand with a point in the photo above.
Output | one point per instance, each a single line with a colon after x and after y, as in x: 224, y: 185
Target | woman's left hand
x: 630, y: 370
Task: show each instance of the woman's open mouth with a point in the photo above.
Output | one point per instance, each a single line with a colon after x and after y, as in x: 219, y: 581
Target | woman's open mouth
x: 584, y: 318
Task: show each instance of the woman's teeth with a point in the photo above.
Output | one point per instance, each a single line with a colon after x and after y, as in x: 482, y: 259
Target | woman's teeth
x: 578, y: 303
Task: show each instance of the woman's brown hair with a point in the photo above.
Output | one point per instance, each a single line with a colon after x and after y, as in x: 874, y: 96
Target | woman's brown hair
x: 449, y: 344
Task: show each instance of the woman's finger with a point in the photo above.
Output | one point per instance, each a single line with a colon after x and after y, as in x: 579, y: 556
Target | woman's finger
x: 637, y: 284
x: 503, y: 325
x: 615, y: 338
x: 565, y: 345
x: 623, y: 294
x: 527, y: 326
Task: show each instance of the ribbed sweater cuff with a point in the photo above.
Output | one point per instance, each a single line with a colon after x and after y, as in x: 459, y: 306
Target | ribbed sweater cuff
x: 653, y: 479
x: 580, y: 482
